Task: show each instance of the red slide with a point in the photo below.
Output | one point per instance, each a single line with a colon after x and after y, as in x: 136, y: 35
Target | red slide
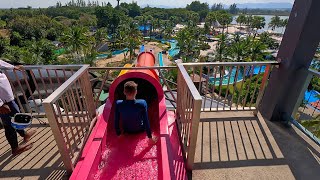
x: 107, y: 156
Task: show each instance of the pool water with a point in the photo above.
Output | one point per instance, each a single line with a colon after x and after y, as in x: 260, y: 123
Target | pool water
x: 174, y: 50
x: 233, y: 79
x: 311, y: 96
x: 117, y: 52
x: 160, y: 59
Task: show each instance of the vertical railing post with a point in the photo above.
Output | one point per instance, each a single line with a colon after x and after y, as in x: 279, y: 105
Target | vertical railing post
x: 194, y: 133
x: 179, y: 88
x: 53, y: 122
x: 86, y: 84
x: 262, y: 88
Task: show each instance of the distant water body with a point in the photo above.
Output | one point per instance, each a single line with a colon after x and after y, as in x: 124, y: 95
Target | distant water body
x: 268, y: 19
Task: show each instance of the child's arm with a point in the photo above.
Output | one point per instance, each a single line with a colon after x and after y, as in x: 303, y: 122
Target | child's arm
x: 146, y: 121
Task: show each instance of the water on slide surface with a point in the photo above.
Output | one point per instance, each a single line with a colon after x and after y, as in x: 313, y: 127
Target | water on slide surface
x: 130, y: 156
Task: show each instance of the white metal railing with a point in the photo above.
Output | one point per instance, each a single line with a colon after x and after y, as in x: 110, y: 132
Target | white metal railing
x: 230, y: 85
x: 71, y: 112
x: 188, y: 114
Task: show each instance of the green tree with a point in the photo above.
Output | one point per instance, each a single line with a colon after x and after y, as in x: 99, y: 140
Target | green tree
x: 233, y: 8
x: 241, y: 19
x: 256, y: 50
x: 221, y: 49
x: 250, y: 89
x: 4, y: 43
x: 217, y: 7
x: 283, y: 24
x: 201, y: 8
x: 238, y: 50
x: 100, y: 36
x: 193, y: 19
x: 224, y: 18
x: 258, y: 22
x: 3, y: 24
x: 133, y: 38
x: 274, y: 23
x: 189, y: 43
x: 267, y: 40
x: 76, y: 39
x: 87, y: 20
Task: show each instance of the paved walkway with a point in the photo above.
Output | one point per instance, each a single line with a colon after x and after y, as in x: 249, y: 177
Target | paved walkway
x: 238, y: 145
x: 41, y: 162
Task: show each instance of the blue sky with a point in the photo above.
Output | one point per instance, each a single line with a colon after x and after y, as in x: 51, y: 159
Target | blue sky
x: 176, y: 3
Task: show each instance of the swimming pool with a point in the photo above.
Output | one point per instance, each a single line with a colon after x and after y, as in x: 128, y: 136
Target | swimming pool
x: 311, y: 96
x: 116, y: 52
x: 174, y: 50
x: 216, y: 80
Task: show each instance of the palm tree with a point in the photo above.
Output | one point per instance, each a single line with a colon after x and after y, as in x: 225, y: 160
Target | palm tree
x: 275, y: 22
x: 284, y: 23
x: 133, y: 38
x: 241, y: 19
x: 221, y: 49
x: 193, y: 19
x: 256, y: 50
x: 225, y: 19
x: 77, y: 40
x: 258, y: 22
x: 238, y: 50
x: 100, y: 36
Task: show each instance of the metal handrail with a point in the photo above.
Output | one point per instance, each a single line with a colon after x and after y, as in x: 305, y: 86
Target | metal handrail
x: 132, y: 68
x: 232, y: 63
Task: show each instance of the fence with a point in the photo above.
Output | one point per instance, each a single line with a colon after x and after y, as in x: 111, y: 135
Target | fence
x: 188, y: 114
x: 306, y: 115
x: 71, y: 111
x: 230, y: 85
x: 33, y: 84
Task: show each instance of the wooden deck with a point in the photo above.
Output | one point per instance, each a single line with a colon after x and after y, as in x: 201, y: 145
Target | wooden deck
x: 231, y: 145
x: 41, y: 162
x: 238, y: 145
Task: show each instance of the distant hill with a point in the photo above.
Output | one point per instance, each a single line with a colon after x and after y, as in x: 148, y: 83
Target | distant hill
x: 265, y: 5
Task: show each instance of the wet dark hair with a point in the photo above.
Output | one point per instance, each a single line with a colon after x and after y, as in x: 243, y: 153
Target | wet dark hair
x: 130, y: 87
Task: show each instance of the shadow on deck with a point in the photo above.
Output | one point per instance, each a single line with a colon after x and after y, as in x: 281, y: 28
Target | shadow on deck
x: 238, y: 145
x: 43, y: 161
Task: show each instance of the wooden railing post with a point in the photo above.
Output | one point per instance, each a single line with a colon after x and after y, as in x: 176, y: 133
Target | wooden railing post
x: 53, y: 122
x: 86, y: 84
x: 262, y: 88
x: 189, y: 103
x: 179, y: 91
x: 193, y: 133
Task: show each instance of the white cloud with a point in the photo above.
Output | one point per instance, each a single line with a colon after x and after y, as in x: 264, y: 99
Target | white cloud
x: 172, y: 3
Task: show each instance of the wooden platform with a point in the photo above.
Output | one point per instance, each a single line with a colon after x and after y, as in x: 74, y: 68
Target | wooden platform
x: 41, y: 162
x: 238, y: 145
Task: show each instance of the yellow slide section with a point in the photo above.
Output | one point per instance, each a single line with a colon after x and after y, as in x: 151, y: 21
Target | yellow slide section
x: 125, y: 71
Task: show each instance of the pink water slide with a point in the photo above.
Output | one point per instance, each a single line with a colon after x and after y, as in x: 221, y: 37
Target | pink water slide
x: 107, y: 156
